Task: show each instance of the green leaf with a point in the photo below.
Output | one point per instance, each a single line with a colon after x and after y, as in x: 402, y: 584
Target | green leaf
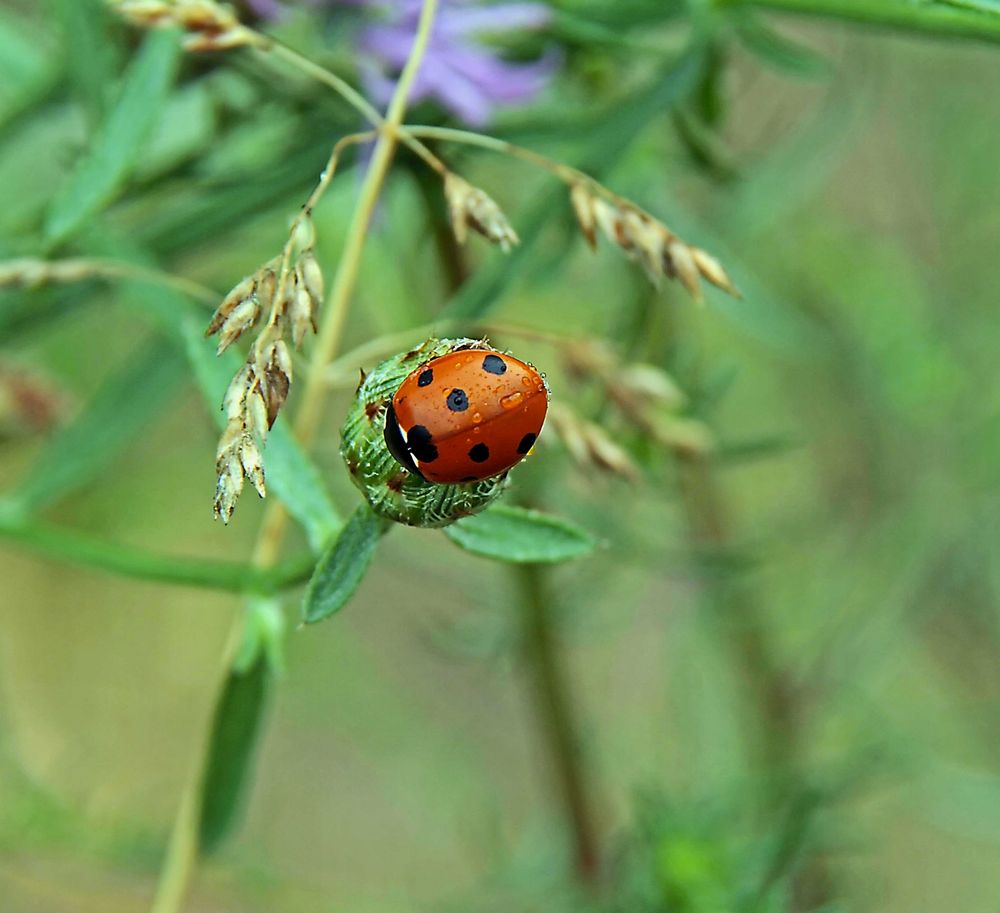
x: 79, y: 451
x: 980, y: 6
x: 947, y: 20
x: 340, y: 571
x: 118, y: 558
x: 88, y: 50
x: 235, y: 728
x: 775, y: 49
x: 28, y: 67
x: 106, y: 165
x: 520, y: 536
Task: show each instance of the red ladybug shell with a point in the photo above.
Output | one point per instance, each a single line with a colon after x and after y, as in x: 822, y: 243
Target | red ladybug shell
x: 466, y: 416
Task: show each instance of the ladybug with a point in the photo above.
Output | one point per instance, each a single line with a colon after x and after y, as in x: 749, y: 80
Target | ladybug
x: 466, y: 416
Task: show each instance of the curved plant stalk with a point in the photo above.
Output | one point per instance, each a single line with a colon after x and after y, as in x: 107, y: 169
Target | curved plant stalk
x: 31, y: 271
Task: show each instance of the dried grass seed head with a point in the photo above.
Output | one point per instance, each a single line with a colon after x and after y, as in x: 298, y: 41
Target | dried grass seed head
x: 471, y: 207
x: 660, y: 252
x: 589, y: 445
x: 210, y: 26
x: 307, y: 298
x: 274, y: 363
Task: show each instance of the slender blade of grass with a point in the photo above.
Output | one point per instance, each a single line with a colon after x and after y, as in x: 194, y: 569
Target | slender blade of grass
x: 88, y: 51
x: 128, y: 561
x: 105, y: 167
x: 945, y: 20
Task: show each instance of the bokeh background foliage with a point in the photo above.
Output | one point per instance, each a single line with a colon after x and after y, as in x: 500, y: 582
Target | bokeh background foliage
x: 780, y: 665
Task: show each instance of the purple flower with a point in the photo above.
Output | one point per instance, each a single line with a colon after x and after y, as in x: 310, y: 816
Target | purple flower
x: 266, y: 9
x: 465, y: 76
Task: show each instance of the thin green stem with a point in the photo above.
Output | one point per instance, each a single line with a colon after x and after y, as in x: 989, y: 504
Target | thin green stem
x: 565, y: 173
x: 182, y: 852
x: 468, y: 138
x: 554, y: 708
x: 310, y: 410
x: 31, y: 271
x: 346, y: 91
x: 138, y: 564
x: 272, y: 330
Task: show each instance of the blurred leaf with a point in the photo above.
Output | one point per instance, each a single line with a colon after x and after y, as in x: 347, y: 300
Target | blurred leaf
x: 340, y: 571
x: 756, y: 448
x: 928, y: 18
x: 961, y: 800
x: 263, y: 634
x: 705, y: 146
x: 123, y: 406
x: 235, y: 728
x: 520, y: 536
x: 88, y: 50
x: 106, y: 165
x: 980, y: 6
x: 773, y: 48
x: 118, y: 558
x: 27, y: 68
x: 569, y: 28
x: 186, y: 129
x: 760, y: 313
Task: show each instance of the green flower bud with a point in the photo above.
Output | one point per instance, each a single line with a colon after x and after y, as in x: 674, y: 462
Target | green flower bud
x: 391, y: 490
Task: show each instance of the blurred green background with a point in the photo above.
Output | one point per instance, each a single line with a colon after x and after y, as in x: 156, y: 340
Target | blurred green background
x: 782, y: 661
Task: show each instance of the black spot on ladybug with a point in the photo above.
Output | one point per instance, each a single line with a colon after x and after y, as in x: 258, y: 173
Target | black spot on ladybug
x: 494, y: 364
x: 479, y: 454
x: 394, y: 441
x: 527, y: 442
x: 426, y: 377
x: 471, y: 479
x: 457, y: 400
x: 419, y: 441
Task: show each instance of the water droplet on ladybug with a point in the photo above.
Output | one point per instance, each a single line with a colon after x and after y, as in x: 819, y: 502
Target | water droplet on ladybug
x: 526, y: 381
x: 511, y: 400
x: 477, y: 417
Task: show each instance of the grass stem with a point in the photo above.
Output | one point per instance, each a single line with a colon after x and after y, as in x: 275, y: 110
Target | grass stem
x: 554, y: 708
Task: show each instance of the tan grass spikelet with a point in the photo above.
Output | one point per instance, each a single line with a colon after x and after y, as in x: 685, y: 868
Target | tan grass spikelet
x: 471, y: 207
x: 660, y: 252
x: 209, y: 26
x: 589, y: 445
x: 283, y: 297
